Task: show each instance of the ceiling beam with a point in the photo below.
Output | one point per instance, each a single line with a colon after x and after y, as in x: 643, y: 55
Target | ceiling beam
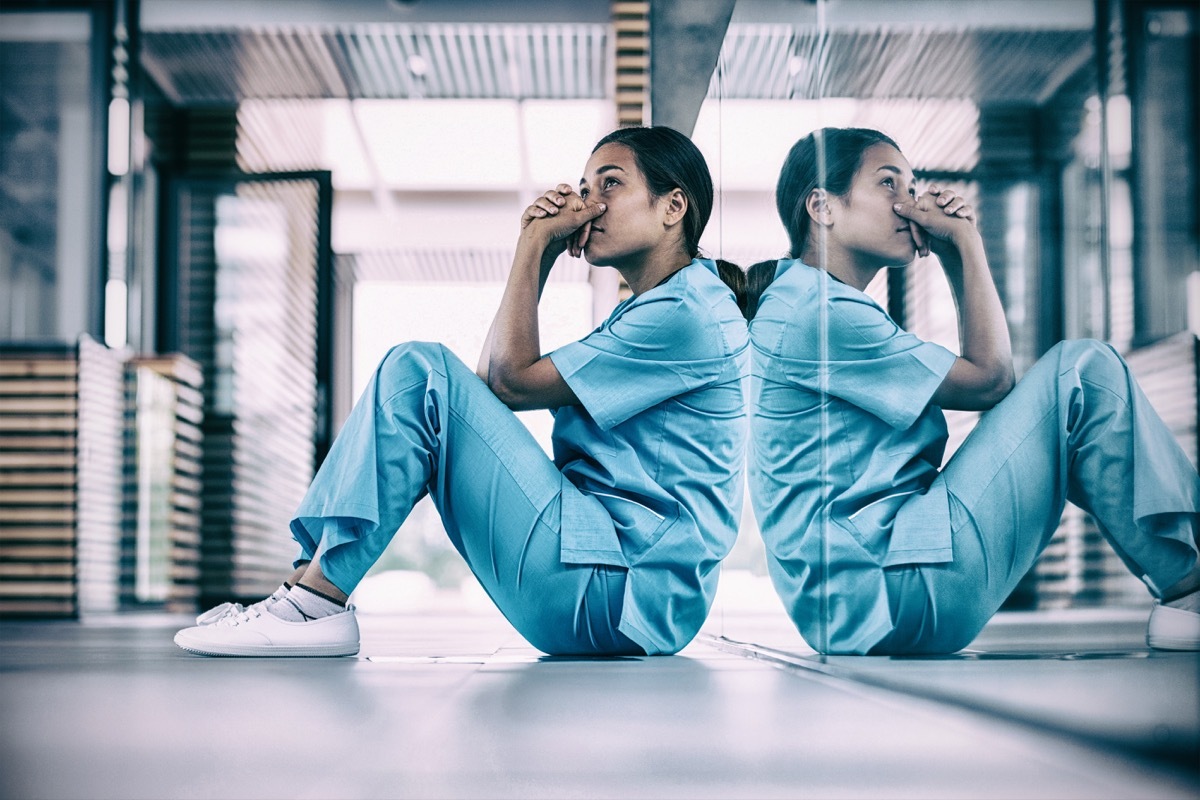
x: 923, y: 14
x: 180, y: 15
x: 686, y: 40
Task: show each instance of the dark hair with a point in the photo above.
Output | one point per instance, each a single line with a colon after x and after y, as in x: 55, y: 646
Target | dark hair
x: 669, y: 160
x: 758, y: 278
x: 735, y: 279
x: 827, y: 158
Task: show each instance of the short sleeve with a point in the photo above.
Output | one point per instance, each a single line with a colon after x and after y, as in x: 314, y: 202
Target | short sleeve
x: 648, y: 352
x: 870, y: 361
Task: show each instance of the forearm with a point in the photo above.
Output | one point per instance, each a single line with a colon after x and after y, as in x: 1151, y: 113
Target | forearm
x: 983, y: 328
x: 514, y: 342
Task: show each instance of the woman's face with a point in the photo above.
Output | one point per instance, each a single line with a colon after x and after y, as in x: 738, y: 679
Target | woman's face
x: 865, y: 225
x: 632, y: 225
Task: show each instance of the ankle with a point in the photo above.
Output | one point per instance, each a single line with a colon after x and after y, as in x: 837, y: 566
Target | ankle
x: 1188, y: 602
x: 330, y: 593
x: 315, y: 581
x: 302, y: 604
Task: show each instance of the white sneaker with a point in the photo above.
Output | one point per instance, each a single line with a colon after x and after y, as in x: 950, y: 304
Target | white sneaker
x: 257, y: 632
x: 1173, y: 629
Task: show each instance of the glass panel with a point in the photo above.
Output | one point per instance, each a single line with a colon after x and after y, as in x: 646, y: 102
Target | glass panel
x: 1012, y: 106
x: 48, y: 174
x: 154, y: 435
x: 1163, y: 42
x: 247, y: 298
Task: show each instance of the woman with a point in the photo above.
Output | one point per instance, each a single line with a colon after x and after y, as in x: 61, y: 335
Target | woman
x: 613, y: 547
x: 870, y: 546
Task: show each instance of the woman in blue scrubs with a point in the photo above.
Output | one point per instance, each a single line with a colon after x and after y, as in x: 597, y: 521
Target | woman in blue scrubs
x: 872, y: 545
x: 611, y: 548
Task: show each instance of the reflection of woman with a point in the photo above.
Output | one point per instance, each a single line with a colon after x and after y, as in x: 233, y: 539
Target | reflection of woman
x: 611, y: 548
x: 871, y: 548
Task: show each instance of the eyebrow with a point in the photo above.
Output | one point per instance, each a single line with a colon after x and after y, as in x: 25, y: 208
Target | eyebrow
x: 896, y: 170
x: 602, y: 170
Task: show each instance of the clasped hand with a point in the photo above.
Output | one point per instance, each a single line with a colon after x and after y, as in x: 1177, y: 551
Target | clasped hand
x: 939, y: 233
x: 562, y: 218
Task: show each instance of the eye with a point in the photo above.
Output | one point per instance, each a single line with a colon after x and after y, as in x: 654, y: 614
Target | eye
x: 889, y: 182
x: 912, y: 193
x: 583, y: 193
x: 611, y: 182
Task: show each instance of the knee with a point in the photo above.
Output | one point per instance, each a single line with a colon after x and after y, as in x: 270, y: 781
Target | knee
x: 412, y: 359
x: 1097, y: 361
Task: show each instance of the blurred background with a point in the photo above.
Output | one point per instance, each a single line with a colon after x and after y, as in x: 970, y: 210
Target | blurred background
x: 215, y: 218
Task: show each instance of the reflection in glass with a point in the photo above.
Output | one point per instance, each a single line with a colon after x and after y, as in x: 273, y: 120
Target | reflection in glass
x: 1012, y: 106
x: 47, y: 173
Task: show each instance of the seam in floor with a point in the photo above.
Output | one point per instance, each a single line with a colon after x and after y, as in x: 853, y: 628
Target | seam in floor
x: 1181, y: 759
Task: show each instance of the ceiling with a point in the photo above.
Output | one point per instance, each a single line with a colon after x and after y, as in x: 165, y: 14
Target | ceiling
x: 377, y: 61
x: 989, y: 66
x: 221, y: 65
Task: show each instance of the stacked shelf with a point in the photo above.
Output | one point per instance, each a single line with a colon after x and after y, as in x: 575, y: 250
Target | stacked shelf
x: 60, y: 454
x: 38, y: 426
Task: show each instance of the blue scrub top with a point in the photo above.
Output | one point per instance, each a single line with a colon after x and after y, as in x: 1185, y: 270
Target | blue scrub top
x: 845, y: 444
x: 659, y: 442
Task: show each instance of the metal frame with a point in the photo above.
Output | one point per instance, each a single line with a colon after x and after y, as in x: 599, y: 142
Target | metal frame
x: 168, y: 276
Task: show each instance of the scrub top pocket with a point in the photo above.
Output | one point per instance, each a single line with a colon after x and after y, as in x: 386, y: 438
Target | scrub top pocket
x: 638, y: 526
x: 872, y: 524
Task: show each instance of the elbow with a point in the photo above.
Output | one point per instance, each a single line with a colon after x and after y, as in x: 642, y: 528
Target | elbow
x: 500, y: 389
x: 1000, y: 383
x: 507, y: 390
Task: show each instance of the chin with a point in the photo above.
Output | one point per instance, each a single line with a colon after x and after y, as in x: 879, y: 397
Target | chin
x: 597, y: 259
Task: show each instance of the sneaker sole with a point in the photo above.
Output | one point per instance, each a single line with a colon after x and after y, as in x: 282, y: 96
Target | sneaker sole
x: 1167, y: 643
x: 272, y: 651
x: 1173, y: 629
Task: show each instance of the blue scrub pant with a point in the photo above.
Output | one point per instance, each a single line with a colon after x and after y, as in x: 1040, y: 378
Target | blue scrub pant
x: 1076, y: 427
x: 427, y: 424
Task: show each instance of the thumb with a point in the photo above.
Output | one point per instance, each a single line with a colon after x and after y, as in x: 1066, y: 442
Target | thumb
x: 907, y: 210
x: 919, y: 238
x: 590, y: 212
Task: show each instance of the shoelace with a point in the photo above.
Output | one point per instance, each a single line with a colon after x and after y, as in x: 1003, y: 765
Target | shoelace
x: 217, y: 612
x: 215, y: 615
x: 244, y: 615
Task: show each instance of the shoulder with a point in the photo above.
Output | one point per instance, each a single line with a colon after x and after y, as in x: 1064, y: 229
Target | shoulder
x: 808, y: 303
x: 711, y: 304
x: 795, y: 283
x: 694, y: 311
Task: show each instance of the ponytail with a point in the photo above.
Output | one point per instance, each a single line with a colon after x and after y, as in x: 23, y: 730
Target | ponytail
x: 757, y: 279
x: 748, y: 285
x: 733, y: 277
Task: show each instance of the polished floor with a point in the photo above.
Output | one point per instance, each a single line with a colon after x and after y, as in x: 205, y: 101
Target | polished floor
x: 455, y: 704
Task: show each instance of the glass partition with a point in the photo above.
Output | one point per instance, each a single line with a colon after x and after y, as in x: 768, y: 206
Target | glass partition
x: 1059, y: 121
x: 50, y: 160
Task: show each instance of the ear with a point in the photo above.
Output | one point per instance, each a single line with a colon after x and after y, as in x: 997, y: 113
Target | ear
x: 675, y: 206
x: 818, y: 207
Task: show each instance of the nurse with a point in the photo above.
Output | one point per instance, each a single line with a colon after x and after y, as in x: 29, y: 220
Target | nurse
x: 872, y: 547
x: 611, y: 548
